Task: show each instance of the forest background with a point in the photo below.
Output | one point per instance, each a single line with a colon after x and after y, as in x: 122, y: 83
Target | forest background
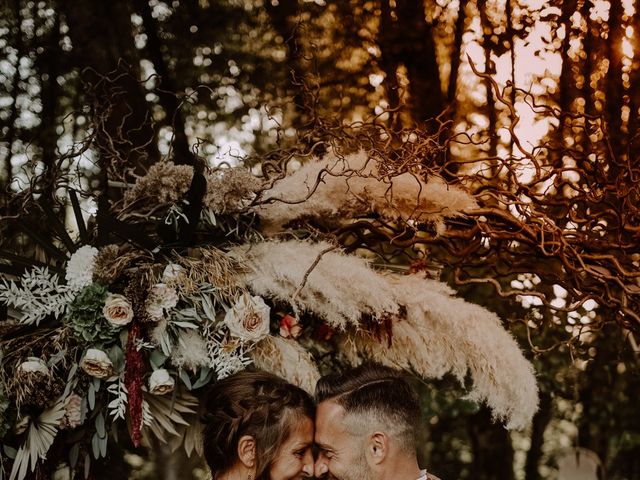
x: 544, y: 129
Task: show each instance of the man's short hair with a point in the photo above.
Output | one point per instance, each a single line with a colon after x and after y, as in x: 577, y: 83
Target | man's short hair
x: 373, y: 391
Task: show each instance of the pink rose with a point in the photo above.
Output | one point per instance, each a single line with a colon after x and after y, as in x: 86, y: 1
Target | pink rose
x: 290, y: 327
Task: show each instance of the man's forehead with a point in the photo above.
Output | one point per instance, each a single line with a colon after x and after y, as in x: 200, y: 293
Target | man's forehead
x: 329, y: 421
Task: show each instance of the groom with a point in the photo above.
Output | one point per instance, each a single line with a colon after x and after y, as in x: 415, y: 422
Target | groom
x: 366, y: 423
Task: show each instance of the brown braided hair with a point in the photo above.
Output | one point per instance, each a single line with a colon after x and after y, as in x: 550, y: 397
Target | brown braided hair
x: 253, y: 403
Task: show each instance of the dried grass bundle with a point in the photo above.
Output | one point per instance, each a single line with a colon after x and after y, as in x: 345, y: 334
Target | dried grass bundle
x: 344, y: 188
x: 287, y: 359
x: 211, y: 266
x: 112, y: 260
x: 443, y: 334
x: 315, y: 277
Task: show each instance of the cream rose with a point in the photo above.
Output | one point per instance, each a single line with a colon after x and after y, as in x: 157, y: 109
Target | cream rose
x: 172, y: 272
x: 97, y: 364
x: 72, y: 412
x: 63, y: 472
x: 161, y: 382
x: 160, y: 300
x: 248, y: 319
x: 117, y: 310
x: 33, y: 365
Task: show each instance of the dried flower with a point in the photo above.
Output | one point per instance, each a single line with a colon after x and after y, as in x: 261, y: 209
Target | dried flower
x: 161, y: 299
x: 165, y: 182
x: 248, y: 319
x: 117, y: 310
x: 96, y: 363
x: 72, y: 412
x: 79, y: 272
x: 190, y: 351
x: 290, y: 327
x: 161, y: 382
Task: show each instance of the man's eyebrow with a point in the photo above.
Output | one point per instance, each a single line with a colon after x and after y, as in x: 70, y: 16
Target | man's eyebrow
x: 324, y: 447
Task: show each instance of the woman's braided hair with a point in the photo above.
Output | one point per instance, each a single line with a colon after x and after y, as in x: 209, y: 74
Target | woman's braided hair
x: 253, y: 403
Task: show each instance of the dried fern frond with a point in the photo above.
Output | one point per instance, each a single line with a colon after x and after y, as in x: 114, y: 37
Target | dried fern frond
x: 169, y: 415
x: 317, y: 278
x: 287, y: 359
x: 40, y: 436
x: 340, y: 189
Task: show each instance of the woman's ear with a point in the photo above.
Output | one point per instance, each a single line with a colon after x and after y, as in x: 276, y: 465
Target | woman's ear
x: 247, y: 451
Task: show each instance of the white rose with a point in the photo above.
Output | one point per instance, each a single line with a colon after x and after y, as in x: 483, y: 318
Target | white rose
x: 172, y: 272
x: 79, y: 270
x: 97, y: 364
x: 117, y: 310
x: 248, y: 319
x: 161, y: 382
x: 33, y: 365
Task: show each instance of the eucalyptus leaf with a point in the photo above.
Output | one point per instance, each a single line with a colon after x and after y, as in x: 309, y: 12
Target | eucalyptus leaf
x: 100, y: 426
x: 73, y: 455
x: 95, y: 447
x: 184, y: 376
x: 9, y: 451
x: 87, y: 465
x: 157, y: 359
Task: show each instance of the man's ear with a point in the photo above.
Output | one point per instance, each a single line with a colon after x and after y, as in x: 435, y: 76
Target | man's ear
x: 377, y: 448
x: 247, y: 451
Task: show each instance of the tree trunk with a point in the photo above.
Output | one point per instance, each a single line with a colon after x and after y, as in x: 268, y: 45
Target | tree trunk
x: 15, y: 92
x: 281, y: 15
x: 49, y: 64
x: 167, y: 90
x: 492, y: 448
x: 489, y: 68
x: 103, y: 49
x: 540, y: 422
x: 614, y: 86
x: 416, y: 50
x: 456, y: 54
x: 388, y: 62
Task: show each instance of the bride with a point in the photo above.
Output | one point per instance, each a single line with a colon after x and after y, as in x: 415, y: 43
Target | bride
x: 258, y: 427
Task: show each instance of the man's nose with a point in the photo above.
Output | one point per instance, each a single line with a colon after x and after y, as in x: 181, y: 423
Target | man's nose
x: 308, y: 467
x: 320, y: 468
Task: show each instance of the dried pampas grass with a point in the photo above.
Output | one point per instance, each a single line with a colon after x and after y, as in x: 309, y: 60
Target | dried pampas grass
x: 287, y: 359
x: 341, y: 188
x: 443, y: 334
x: 317, y: 278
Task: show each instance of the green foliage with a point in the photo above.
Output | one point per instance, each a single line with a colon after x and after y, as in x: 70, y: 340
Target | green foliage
x: 86, y: 320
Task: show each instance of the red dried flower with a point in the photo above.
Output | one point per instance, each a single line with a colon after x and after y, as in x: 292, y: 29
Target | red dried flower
x: 134, y: 371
